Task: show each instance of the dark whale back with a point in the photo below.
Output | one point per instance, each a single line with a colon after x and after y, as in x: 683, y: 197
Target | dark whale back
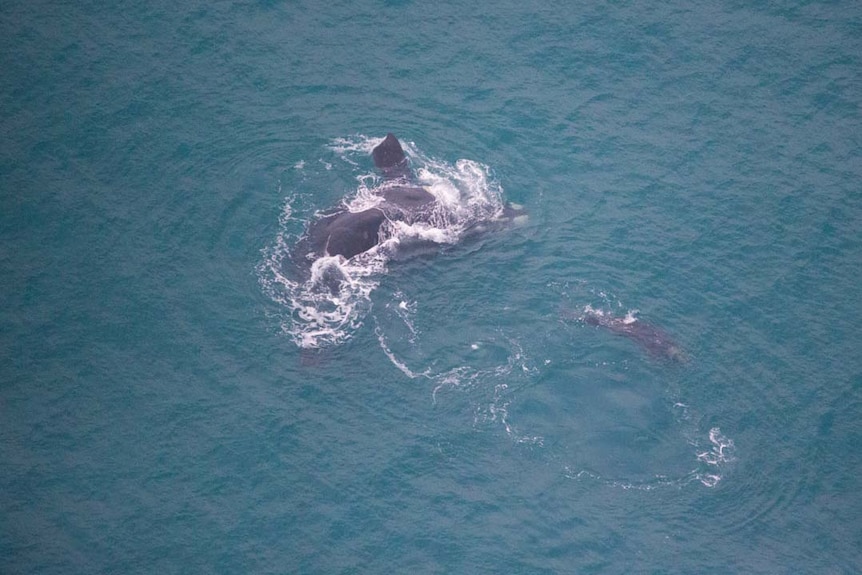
x: 345, y: 233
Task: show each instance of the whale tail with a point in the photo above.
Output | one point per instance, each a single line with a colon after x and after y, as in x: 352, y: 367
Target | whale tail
x: 389, y: 157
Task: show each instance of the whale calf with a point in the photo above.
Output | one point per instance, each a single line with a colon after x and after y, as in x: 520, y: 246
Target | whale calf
x: 653, y: 340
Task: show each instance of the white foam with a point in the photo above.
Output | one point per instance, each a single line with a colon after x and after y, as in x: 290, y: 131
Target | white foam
x: 354, y: 145
x: 395, y: 361
x: 721, y: 450
x: 631, y: 316
x: 406, y: 311
x: 498, y: 411
x: 590, y: 310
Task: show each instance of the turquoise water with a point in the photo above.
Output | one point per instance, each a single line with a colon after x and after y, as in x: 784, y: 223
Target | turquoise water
x: 697, y: 165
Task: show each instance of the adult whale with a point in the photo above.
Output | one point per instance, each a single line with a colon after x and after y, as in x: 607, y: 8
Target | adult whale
x: 340, y: 232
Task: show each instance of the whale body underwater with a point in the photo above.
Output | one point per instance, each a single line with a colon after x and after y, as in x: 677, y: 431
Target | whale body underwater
x: 345, y: 233
x: 657, y: 343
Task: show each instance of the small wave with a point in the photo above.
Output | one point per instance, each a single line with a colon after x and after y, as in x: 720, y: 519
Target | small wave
x: 328, y: 307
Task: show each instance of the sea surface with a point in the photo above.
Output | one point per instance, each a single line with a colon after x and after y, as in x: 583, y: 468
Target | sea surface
x: 173, y: 400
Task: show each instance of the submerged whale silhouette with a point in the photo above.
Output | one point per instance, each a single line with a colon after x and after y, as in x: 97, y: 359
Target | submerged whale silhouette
x: 340, y: 232
x: 654, y: 341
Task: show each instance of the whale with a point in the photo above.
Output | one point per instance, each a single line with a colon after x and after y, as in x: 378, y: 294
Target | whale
x: 656, y: 343
x: 340, y: 232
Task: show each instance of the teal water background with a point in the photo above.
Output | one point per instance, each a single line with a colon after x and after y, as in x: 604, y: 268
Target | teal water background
x: 697, y: 161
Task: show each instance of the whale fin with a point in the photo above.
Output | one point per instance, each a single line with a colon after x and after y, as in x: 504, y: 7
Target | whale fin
x: 389, y: 157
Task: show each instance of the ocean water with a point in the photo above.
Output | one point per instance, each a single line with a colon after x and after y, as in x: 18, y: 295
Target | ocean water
x: 169, y: 402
